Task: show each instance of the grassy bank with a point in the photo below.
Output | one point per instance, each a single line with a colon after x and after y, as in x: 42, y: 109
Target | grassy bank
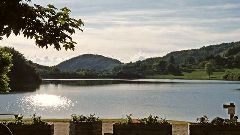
x: 198, y: 74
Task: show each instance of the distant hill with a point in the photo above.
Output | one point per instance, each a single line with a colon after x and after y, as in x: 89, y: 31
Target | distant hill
x: 90, y: 62
x: 224, y: 50
x: 223, y: 56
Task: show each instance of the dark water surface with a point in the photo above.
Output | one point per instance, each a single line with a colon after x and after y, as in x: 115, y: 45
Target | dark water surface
x: 171, y: 99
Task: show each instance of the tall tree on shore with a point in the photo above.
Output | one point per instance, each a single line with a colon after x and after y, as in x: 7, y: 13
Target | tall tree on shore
x: 209, y: 69
x: 5, y: 65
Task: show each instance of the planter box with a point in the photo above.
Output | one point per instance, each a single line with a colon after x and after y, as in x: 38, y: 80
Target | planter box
x: 141, y: 129
x: 29, y: 129
x: 196, y: 129
x: 85, y: 128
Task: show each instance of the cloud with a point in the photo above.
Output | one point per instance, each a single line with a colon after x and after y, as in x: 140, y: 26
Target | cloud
x: 131, y: 30
x: 126, y: 43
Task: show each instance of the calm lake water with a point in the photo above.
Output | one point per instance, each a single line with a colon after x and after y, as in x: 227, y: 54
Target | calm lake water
x: 171, y: 99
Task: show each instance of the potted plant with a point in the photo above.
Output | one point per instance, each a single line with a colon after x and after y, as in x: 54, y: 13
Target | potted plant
x: 35, y: 127
x: 151, y: 125
x: 85, y: 125
x: 217, y: 126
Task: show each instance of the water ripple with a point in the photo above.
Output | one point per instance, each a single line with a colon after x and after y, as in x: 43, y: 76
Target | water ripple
x: 46, y: 101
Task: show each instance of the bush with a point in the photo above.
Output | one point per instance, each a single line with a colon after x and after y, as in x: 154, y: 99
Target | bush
x: 150, y: 120
x: 5, y: 65
x: 153, y: 120
x: 82, y: 118
x: 231, y: 76
x: 217, y: 121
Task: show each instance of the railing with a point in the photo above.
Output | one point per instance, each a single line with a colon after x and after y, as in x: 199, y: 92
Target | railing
x: 6, y: 130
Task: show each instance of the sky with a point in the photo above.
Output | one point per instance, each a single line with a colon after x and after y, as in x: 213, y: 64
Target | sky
x: 131, y: 30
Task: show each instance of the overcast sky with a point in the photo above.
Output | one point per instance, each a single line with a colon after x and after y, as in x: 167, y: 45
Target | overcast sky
x: 130, y: 30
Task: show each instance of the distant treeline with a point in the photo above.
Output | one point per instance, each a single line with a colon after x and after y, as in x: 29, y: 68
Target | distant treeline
x: 221, y: 57
x: 24, y: 72
x: 55, y: 73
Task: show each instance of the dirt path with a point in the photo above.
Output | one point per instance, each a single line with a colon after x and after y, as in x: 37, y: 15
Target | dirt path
x: 63, y: 128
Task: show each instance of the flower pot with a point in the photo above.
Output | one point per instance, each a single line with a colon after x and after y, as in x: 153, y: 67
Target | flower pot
x: 197, y: 129
x: 141, y: 129
x: 85, y: 128
x: 29, y: 129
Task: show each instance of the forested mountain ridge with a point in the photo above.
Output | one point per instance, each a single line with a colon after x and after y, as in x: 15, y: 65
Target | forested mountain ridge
x: 89, y: 62
x: 222, y: 56
x: 223, y: 50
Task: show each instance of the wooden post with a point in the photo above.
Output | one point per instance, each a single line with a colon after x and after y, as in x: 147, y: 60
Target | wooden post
x: 231, y: 109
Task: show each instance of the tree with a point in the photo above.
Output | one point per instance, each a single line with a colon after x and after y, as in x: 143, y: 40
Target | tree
x: 237, y: 61
x: 172, y: 69
x: 48, y: 26
x: 202, y: 64
x: 5, y: 65
x: 209, y: 69
x: 22, y: 72
x: 190, y: 60
x: 219, y: 61
x: 160, y: 66
x: 172, y: 60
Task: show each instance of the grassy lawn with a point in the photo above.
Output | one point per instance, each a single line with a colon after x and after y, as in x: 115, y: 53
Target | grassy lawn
x: 199, y: 74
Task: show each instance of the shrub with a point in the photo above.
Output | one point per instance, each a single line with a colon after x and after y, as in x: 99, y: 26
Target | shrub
x: 150, y: 120
x: 82, y: 118
x: 153, y: 120
x: 5, y: 65
x: 36, y: 120
x: 217, y: 121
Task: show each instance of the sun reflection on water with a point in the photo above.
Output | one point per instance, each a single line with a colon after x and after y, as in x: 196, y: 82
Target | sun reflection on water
x: 47, y: 101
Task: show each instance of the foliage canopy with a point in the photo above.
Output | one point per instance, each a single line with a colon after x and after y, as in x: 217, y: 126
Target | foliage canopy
x: 46, y: 25
x: 209, y: 68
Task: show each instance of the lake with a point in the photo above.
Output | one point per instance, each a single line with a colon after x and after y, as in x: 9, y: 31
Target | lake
x: 171, y: 99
